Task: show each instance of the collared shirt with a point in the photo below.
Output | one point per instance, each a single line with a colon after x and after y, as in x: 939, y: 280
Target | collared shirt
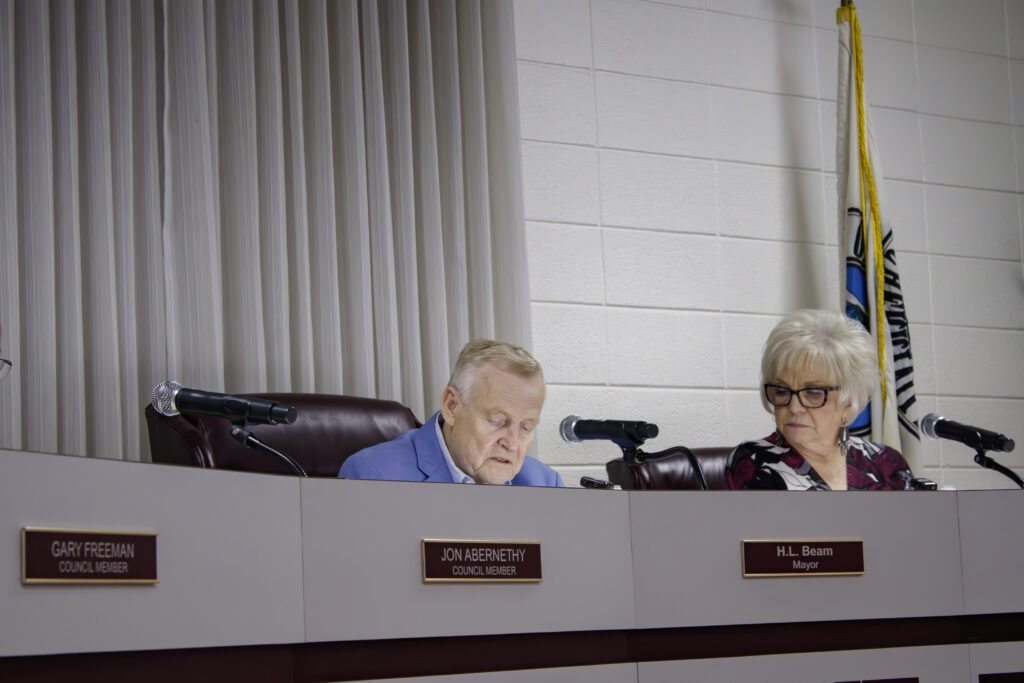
x: 458, y: 476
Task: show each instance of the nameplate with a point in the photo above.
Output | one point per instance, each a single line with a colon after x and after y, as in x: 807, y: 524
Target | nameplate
x: 70, y: 556
x: 803, y: 557
x: 449, y: 561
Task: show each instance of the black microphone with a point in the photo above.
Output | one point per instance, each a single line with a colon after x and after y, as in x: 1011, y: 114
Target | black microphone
x: 938, y: 427
x: 628, y: 435
x: 170, y: 398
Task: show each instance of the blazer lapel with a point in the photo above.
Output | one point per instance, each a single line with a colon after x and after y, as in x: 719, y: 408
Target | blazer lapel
x: 429, y: 457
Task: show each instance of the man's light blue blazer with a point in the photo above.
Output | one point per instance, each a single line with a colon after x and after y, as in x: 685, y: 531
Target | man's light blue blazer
x: 416, y: 456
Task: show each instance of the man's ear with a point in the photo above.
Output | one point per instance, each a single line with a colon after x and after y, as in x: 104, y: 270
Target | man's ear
x: 451, y: 402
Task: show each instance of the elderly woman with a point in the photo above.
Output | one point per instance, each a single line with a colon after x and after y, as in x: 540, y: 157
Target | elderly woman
x: 818, y: 371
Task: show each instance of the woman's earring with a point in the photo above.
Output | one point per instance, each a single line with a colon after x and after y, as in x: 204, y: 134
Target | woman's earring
x: 844, y: 439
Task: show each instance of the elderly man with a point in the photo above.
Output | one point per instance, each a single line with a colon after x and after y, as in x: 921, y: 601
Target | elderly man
x: 489, y: 414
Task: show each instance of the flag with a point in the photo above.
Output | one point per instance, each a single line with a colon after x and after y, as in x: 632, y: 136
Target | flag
x: 869, y: 282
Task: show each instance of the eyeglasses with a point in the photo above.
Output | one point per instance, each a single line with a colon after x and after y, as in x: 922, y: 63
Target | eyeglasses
x: 809, y: 397
x: 5, y: 368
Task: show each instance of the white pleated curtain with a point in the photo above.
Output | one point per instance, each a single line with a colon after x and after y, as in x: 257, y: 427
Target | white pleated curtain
x: 299, y: 196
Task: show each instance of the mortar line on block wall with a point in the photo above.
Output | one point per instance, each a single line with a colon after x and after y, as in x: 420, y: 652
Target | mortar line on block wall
x: 821, y: 97
x: 796, y: 96
x: 707, y: 83
x: 659, y: 309
x: 647, y: 77
x: 927, y: 241
x: 681, y: 311
x: 600, y: 213
x: 972, y: 397
x: 726, y: 13
x: 593, y: 304
x: 830, y: 233
x: 969, y: 258
x: 914, y: 41
x: 555, y: 65
x: 935, y: 183
x: 563, y: 143
x: 654, y: 309
x: 740, y: 238
x: 983, y: 328
x: 959, y: 49
x: 830, y: 99
x: 748, y: 238
x: 665, y: 231
x: 957, y: 397
x: 549, y: 221
x: 716, y: 188
x: 675, y: 388
x: 667, y: 387
x: 574, y: 304
x: 1013, y: 118
x: 627, y: 150
x: 935, y: 115
x: 720, y: 86
x: 600, y: 207
x: 766, y: 165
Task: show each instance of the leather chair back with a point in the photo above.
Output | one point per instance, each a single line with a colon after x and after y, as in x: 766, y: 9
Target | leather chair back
x: 329, y: 428
x: 670, y: 471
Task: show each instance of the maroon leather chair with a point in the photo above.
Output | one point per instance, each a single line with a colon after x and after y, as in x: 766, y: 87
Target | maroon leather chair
x: 329, y: 428
x: 670, y: 471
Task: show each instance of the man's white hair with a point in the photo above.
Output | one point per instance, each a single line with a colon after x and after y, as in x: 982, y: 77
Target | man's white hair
x: 480, y: 352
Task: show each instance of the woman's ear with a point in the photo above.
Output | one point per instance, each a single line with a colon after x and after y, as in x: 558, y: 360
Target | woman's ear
x: 848, y: 412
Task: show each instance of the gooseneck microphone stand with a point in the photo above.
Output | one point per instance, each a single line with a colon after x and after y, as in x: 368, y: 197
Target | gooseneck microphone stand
x: 974, y: 440
x: 242, y: 435
x: 985, y: 461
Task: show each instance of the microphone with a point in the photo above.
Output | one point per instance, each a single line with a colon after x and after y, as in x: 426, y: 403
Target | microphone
x: 170, y: 398
x: 627, y: 435
x: 938, y: 427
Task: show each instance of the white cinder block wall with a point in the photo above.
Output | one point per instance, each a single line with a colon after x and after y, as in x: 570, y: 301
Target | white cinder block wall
x: 679, y: 163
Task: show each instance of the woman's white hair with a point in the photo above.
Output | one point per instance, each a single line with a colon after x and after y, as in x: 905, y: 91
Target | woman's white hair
x: 481, y: 352
x: 824, y: 342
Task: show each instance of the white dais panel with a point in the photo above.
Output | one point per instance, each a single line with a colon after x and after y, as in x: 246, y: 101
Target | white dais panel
x: 686, y: 554
x: 228, y: 556
x: 362, y: 564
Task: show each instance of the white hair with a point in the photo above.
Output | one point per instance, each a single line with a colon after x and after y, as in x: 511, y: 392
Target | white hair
x: 480, y: 352
x: 825, y: 342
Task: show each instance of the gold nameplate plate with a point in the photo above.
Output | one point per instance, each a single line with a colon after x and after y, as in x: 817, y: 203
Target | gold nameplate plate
x: 451, y: 561
x: 803, y: 557
x: 80, y: 556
